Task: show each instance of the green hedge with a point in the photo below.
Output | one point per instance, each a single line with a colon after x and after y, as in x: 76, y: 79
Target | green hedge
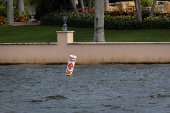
x: 74, y: 22
x: 122, y: 24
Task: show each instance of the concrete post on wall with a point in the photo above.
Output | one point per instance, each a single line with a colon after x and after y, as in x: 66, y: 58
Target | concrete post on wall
x: 64, y: 37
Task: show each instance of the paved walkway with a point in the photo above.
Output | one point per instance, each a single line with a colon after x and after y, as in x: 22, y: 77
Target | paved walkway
x: 111, y: 88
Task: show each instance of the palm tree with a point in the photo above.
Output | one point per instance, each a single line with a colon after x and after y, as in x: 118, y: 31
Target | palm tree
x: 75, y: 9
x: 138, y: 10
x: 82, y: 7
x: 153, y: 7
x: 9, y: 12
x: 20, y: 6
x: 89, y: 6
x: 106, y: 5
x: 99, y: 21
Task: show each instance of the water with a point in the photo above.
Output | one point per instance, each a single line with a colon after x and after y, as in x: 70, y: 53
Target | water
x: 106, y: 88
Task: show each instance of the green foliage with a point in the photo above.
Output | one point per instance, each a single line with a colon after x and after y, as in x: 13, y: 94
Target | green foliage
x: 111, y: 22
x: 26, y: 11
x: 26, y: 2
x: 3, y: 12
x: 145, y: 14
x: 31, y: 2
x: 160, y: 14
x: 86, y: 3
x: 14, y: 2
x: 122, y: 17
x: 89, y: 16
x: 16, y: 12
x: 71, y: 14
x: 158, y: 19
x: 146, y: 3
x: 156, y: 24
x: 119, y: 13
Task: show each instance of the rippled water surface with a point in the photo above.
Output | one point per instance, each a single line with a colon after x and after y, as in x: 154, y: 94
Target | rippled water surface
x: 106, y: 88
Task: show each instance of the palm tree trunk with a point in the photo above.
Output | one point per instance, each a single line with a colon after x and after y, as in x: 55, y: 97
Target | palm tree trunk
x: 89, y: 6
x: 99, y: 21
x: 20, y: 6
x: 5, y: 3
x: 106, y: 5
x: 138, y: 10
x: 82, y: 7
x: 75, y: 9
x: 153, y: 7
x: 9, y: 12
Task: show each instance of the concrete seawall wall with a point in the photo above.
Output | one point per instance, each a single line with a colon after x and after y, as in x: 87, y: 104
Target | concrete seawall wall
x: 87, y: 53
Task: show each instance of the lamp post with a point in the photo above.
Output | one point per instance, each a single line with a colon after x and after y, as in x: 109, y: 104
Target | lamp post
x: 65, y: 17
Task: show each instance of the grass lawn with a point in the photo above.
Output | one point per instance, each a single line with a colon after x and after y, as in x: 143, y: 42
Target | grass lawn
x: 21, y: 34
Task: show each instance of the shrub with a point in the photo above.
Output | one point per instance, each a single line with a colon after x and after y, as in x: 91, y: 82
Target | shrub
x: 156, y: 24
x: 21, y: 18
x: 146, y: 3
x: 145, y: 14
x: 164, y: 18
x: 31, y: 2
x: 48, y: 20
x: 111, y: 22
x: 122, y: 17
x: 119, y: 13
x: 89, y: 23
x: 3, y: 12
x: 14, y: 2
x: 2, y: 20
x: 159, y: 14
x: 89, y: 16
x: 86, y: 10
x: 16, y: 12
x: 122, y: 25
x: 71, y: 14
